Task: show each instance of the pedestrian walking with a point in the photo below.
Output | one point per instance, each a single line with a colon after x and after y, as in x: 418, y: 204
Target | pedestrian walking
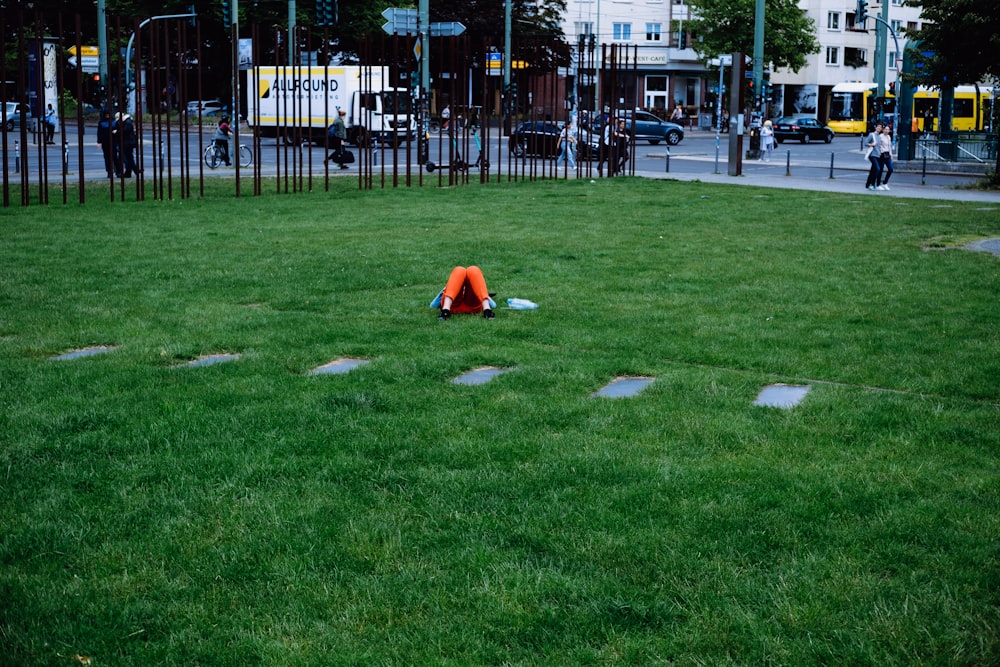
x: 337, y: 135
x: 885, y: 155
x: 874, y: 157
x: 766, y: 141
x: 567, y: 147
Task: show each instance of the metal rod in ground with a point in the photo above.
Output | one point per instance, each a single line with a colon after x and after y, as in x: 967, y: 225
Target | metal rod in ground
x: 788, y: 163
x: 717, y: 146
x: 923, y: 172
x: 667, y: 162
x: 831, y: 166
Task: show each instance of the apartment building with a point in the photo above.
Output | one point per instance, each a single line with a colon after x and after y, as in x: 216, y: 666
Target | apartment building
x: 668, y: 71
x: 847, y: 53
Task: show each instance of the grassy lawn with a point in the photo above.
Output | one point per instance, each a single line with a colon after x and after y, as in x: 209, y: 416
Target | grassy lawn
x: 248, y: 513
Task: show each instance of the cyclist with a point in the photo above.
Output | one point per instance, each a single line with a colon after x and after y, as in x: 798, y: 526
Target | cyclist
x: 221, y: 139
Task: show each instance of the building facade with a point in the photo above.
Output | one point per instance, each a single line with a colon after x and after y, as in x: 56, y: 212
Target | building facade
x: 849, y: 51
x: 665, y: 71
x: 669, y: 72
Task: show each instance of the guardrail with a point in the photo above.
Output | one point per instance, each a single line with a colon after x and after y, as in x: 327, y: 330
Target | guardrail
x: 957, y: 148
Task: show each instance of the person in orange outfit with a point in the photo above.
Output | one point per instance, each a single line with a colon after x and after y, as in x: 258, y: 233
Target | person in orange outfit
x: 465, y: 292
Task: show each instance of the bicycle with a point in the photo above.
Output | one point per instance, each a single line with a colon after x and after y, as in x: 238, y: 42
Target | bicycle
x: 214, y: 155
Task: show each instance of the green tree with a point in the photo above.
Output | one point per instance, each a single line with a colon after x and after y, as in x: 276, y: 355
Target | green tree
x: 964, y: 36
x: 727, y: 26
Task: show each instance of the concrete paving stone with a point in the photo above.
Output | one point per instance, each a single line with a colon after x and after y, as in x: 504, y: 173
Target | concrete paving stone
x: 338, y: 366
x: 784, y: 396
x: 83, y: 352
x: 623, y: 387
x: 480, y: 375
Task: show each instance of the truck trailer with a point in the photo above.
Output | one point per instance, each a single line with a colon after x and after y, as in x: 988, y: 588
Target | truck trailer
x: 302, y: 102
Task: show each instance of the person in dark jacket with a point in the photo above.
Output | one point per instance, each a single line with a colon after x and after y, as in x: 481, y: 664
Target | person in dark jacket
x: 104, y: 140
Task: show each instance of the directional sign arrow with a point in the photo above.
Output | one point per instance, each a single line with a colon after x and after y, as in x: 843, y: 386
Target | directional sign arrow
x: 400, y: 21
x: 446, y: 29
x: 399, y: 15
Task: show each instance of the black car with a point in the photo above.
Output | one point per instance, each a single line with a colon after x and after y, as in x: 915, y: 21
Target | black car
x: 541, y: 138
x: 804, y: 129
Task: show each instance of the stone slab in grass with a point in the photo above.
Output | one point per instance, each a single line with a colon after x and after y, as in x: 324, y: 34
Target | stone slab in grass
x: 986, y: 245
x: 623, y: 387
x: 338, y: 366
x: 479, y: 375
x: 785, y: 396
x: 83, y: 352
x: 210, y: 360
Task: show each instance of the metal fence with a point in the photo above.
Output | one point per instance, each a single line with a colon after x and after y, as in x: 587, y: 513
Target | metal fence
x: 165, y: 66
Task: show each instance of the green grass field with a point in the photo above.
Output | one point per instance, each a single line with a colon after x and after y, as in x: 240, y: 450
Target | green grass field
x: 248, y: 513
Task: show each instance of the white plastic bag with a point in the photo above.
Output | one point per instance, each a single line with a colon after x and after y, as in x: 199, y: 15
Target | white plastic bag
x: 521, y: 304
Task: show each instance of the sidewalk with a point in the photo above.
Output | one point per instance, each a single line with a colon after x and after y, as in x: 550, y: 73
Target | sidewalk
x: 843, y: 185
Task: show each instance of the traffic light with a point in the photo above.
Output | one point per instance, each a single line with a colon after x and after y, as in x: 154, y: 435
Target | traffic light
x: 227, y: 13
x: 683, y: 40
x: 324, y: 12
x: 861, y: 13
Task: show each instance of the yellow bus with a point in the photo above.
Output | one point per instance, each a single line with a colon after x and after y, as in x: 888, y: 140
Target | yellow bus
x: 852, y: 108
x: 969, y: 113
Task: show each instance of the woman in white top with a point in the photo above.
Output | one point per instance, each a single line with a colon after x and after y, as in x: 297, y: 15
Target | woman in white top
x: 885, y: 155
x: 766, y: 141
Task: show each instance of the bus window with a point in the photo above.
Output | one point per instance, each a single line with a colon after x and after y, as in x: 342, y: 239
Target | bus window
x: 846, y: 106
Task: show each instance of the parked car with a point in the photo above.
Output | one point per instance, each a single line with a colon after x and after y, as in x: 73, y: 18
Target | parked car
x: 541, y: 138
x: 14, y: 115
x: 644, y: 125
x: 205, y: 107
x: 803, y: 128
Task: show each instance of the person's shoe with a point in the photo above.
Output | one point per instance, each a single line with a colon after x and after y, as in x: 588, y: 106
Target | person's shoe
x: 343, y: 166
x: 871, y: 187
x: 881, y: 187
x: 488, y: 314
x: 885, y: 186
x: 445, y: 314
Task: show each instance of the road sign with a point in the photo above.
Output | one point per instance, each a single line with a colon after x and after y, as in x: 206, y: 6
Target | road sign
x: 88, y: 58
x: 447, y: 29
x: 400, y: 21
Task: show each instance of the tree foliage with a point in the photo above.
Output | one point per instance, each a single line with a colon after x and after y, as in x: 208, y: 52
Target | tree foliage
x: 964, y: 37
x: 727, y: 26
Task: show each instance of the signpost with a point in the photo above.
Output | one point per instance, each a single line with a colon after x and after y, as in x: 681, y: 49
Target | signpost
x: 400, y: 21
x: 447, y: 29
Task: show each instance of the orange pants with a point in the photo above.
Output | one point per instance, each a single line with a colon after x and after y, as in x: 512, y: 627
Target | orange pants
x: 467, y: 289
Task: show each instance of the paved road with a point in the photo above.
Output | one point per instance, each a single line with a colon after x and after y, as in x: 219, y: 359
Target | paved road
x: 839, y: 166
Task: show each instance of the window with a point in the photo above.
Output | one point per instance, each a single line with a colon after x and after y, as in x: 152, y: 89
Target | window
x: 893, y: 58
x: 855, y: 57
x: 832, y: 55
x: 833, y: 21
x: 584, y: 28
x: 622, y: 32
x: 911, y: 26
x: 652, y: 32
x: 897, y: 3
x: 896, y: 25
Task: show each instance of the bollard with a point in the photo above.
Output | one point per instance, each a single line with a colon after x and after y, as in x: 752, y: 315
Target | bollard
x: 831, y: 165
x: 65, y: 156
x: 17, y: 157
x: 923, y: 172
x: 667, y: 161
x: 788, y: 163
x: 716, y: 152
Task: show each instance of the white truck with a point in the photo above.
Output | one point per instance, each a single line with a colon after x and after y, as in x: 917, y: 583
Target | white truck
x: 292, y: 102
